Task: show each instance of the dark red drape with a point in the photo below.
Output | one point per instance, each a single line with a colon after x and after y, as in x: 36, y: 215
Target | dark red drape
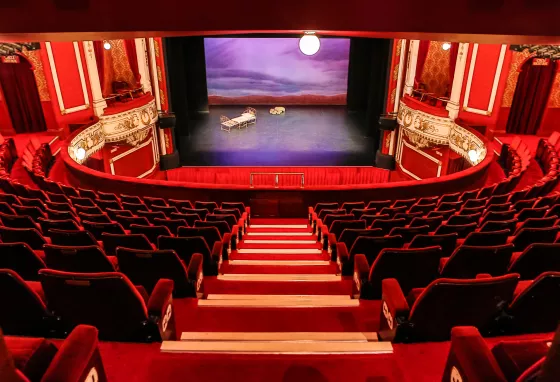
x: 531, y: 96
x: 22, y: 97
x: 453, y: 52
x: 423, y: 48
x: 100, y: 60
x: 130, y: 47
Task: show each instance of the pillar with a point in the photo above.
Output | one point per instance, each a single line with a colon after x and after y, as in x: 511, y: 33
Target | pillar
x: 99, y: 103
x: 453, y: 104
x: 143, y: 66
x: 411, y: 66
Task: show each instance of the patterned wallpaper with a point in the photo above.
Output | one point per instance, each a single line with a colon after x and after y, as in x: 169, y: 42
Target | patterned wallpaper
x: 518, y: 58
x: 117, y: 67
x: 436, y: 69
x: 34, y: 57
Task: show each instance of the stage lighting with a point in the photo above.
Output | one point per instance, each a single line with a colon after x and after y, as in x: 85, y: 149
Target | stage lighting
x: 309, y: 44
x: 80, y: 153
x: 106, y: 45
x: 473, y: 155
x: 446, y: 46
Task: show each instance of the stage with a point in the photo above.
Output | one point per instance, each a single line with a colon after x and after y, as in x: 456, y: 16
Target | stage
x: 303, y: 136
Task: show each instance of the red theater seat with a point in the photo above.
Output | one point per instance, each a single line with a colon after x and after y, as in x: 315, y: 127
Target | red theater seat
x: 20, y: 258
x: 211, y: 235
x: 431, y: 313
x: 180, y: 203
x: 413, y: 268
x: 82, y: 259
x: 468, y: 261
x: 186, y: 247
x: 151, y: 215
x: 521, y: 204
x: 113, y: 213
x: 88, y: 209
x: 30, y: 236
x: 71, y: 238
x: 408, y: 217
x: 386, y: 225
x: 536, y: 259
x: 146, y: 268
x: 392, y: 211
x: 14, y: 221
x: 201, y: 212
x: 167, y: 210
x: 82, y: 298
x: 461, y: 230
x: 464, y: 219
x: 69, y: 190
x: 222, y: 226
x: 234, y: 211
x: 133, y: 241
x: 150, y: 201
x: 96, y: 229
x: 350, y: 235
x: 379, y: 204
x: 172, y: 224
x: 468, y: 195
x: 336, y: 229
x: 107, y: 196
x: 9, y: 198
x: 32, y: 203
x: 444, y: 214
x: 432, y: 222
x: 446, y: 206
x: 134, y: 207
x: 404, y: 202
x: 534, y: 310
x: 84, y: 202
x: 486, y: 238
x: 87, y: 193
x: 58, y: 206
x: 408, y: 233
x: 94, y: 218
x: 527, y: 213
x: 446, y: 242
x: 427, y: 200
x: 366, y: 246
x: 349, y: 206
x: 105, y: 204
x: 473, y: 203
x: 454, y: 197
x: 189, y: 218
x: 358, y: 213
x: 497, y: 216
x: 151, y: 232
x: 210, y: 206
x: 132, y: 199
x: 127, y: 221
x: 528, y: 236
x: 23, y: 309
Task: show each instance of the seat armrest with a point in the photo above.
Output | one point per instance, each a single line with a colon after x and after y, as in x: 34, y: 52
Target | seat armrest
x: 77, y: 359
x: 394, y: 309
x: 160, y: 309
x: 241, y: 225
x: 226, y: 246
x: 217, y: 253
x: 470, y: 359
x: 342, y: 256
x: 361, y: 275
x: 484, y: 276
x: 195, y: 274
x: 235, y: 232
x: 310, y: 213
x: 317, y: 230
x: 442, y: 263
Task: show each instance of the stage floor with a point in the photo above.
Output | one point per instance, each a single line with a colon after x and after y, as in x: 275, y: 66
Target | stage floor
x: 304, y: 136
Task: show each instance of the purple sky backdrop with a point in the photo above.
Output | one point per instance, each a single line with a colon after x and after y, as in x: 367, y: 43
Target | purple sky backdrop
x: 275, y: 66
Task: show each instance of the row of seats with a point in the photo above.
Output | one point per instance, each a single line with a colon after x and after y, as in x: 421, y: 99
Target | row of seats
x: 8, y: 155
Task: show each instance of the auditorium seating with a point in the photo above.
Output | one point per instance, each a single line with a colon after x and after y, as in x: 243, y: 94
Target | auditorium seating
x: 470, y: 358
x: 39, y: 359
x: 80, y: 259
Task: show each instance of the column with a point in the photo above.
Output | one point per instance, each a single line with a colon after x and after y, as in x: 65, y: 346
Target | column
x: 143, y: 66
x: 400, y: 76
x: 453, y: 104
x: 411, y: 66
x: 99, y: 103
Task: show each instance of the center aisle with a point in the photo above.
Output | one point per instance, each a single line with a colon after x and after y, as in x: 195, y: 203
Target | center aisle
x: 279, y: 280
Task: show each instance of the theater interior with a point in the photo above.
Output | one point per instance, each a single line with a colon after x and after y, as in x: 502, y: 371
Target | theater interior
x: 306, y: 191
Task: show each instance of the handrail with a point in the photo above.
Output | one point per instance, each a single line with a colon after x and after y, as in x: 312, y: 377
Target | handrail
x: 276, y: 177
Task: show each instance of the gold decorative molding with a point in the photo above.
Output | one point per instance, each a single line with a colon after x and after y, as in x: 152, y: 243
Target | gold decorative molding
x: 433, y: 128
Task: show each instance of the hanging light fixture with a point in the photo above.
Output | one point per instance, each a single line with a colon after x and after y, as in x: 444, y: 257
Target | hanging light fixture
x: 446, y: 46
x: 107, y: 45
x: 309, y: 44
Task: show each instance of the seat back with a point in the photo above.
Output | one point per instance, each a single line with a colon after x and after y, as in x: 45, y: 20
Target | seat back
x: 404, y: 202
x: 425, y: 200
x: 107, y: 301
x: 408, y: 217
x: 15, y: 221
x: 534, y: 309
x: 127, y: 221
x: 32, y: 203
x: 88, y: 209
x: 151, y: 215
x: 234, y: 205
x: 229, y: 219
x: 172, y: 224
x: 97, y: 229
x: 20, y: 258
x: 222, y: 226
x: 413, y: 268
x: 201, y: 212
x: 371, y: 246
x: 78, y: 201
x: 469, y: 261
x: 371, y: 218
x: 487, y: 238
x: 167, y: 210
x: 349, y: 206
x: 230, y: 211
x: 446, y: 303
x: 522, y: 204
x: 75, y: 238
x: 387, y: 225
x: 81, y: 259
x: 528, y: 236
x: 379, y: 204
x: 151, y: 201
x: 349, y: 235
x: 180, y: 203
x: 536, y: 259
x: 444, y: 214
x: 47, y: 224
x: 491, y: 225
x: 527, y: 213
x: 107, y: 196
x: 325, y: 206
x: 432, y: 222
x: 134, y: 207
x: 362, y: 211
x: 146, y: 268
x: 131, y: 199
x: 329, y: 219
x: 23, y: 311
x: 340, y: 225
x: 464, y: 219
x: 60, y: 215
x: 324, y: 212
x: 461, y: 230
x: 408, y: 233
x: 189, y: 218
x: 539, y: 222
x: 6, y: 209
x: 468, y: 195
x: 210, y: 234
x: 104, y: 204
x: 392, y: 211
x: 94, y: 218
x: 425, y: 208
x: 454, y: 197
x: 151, y: 232
x: 446, y: 242
x: 210, y: 206
x: 133, y: 241
x: 30, y: 236
x: 472, y: 203
x: 445, y: 206
x: 185, y: 247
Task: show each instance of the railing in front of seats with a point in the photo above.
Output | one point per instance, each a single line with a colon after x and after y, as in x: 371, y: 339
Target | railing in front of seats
x: 276, y: 176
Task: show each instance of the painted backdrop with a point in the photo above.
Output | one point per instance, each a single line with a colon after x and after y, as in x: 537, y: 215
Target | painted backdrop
x: 274, y: 71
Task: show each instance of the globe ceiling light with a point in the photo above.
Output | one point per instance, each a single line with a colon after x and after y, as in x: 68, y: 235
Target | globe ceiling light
x: 309, y: 44
x: 446, y: 46
x: 106, y: 45
x: 80, y: 153
x: 473, y: 155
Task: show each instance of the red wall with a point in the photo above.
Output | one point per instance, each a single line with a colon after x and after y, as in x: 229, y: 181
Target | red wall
x: 70, y: 85
x: 6, y: 127
x: 481, y: 86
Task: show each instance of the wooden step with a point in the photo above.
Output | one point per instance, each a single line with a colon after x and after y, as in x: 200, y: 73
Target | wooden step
x: 283, y: 226
x: 278, y: 277
x: 277, y: 347
x: 283, y: 263
x: 297, y: 242
x: 280, y: 336
x: 300, y: 251
x: 217, y: 296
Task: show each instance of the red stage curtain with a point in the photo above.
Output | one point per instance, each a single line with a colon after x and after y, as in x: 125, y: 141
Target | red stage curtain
x: 22, y: 97
x: 100, y: 60
x: 453, y: 52
x: 130, y: 47
x: 531, y: 96
x: 422, y: 55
